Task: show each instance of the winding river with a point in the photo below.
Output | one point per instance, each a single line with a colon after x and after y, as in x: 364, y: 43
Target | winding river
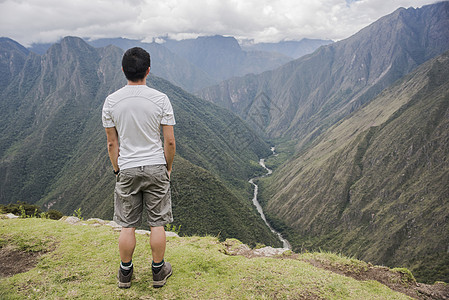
x: 256, y: 203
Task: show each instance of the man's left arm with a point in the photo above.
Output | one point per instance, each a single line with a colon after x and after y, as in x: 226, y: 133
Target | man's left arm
x: 169, y: 146
x: 113, y: 146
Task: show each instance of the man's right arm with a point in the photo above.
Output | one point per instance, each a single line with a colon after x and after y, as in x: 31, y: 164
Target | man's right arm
x: 113, y: 146
x: 169, y: 146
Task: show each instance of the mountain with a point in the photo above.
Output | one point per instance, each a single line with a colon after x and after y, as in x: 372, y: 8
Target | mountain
x: 306, y: 96
x: 165, y: 63
x: 382, y: 195
x: 376, y: 184
x: 195, y: 64
x: 53, y: 146
x: 40, y: 48
x: 222, y: 57
x: 294, y: 49
x: 12, y: 58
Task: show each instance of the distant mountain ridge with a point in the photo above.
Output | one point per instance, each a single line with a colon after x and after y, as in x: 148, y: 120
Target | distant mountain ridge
x: 12, y: 58
x: 53, y: 151
x: 165, y: 63
x: 194, y: 64
x: 222, y: 57
x: 304, y: 97
x: 294, y: 49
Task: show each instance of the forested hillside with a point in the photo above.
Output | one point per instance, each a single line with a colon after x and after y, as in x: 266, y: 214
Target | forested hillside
x: 371, y: 184
x: 376, y: 184
x: 53, y: 146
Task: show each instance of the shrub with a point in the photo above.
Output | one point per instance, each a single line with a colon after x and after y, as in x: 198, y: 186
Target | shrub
x: 22, y: 209
x: 54, y: 214
x: 26, y: 210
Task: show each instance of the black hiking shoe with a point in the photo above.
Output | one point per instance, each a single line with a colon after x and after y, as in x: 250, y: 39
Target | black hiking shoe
x: 160, y: 278
x: 124, y: 281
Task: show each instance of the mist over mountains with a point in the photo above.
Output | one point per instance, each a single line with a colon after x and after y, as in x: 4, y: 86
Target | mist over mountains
x: 222, y: 57
x: 194, y: 64
x: 294, y: 49
x: 361, y: 127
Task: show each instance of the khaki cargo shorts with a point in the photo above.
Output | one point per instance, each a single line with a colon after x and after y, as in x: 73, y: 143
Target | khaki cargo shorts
x: 143, y: 189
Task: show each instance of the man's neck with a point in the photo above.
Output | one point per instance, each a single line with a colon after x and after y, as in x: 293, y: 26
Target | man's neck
x: 140, y: 82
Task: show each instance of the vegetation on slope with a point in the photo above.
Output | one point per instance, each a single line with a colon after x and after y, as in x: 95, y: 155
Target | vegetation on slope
x: 376, y: 184
x: 53, y: 147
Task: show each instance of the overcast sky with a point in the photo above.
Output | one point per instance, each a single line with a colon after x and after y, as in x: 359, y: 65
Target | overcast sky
x: 28, y: 21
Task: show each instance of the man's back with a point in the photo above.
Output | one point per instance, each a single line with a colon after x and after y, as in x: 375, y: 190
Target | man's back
x: 137, y: 112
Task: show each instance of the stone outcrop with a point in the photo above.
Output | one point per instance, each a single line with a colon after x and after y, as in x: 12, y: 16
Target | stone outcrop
x: 235, y: 247
x: 95, y: 222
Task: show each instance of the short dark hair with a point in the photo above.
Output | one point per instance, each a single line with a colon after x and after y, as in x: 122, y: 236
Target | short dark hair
x: 135, y: 63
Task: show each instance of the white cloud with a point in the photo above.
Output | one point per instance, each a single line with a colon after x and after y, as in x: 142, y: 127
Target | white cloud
x: 261, y: 20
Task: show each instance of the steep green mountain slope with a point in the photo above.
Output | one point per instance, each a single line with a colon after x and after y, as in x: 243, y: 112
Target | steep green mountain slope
x: 305, y: 97
x: 78, y: 262
x: 376, y: 185
x: 53, y: 147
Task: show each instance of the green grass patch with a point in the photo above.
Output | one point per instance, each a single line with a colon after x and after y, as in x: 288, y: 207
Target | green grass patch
x: 406, y: 275
x: 84, y: 260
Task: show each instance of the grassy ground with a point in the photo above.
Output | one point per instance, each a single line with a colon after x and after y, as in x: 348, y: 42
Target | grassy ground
x: 81, y: 262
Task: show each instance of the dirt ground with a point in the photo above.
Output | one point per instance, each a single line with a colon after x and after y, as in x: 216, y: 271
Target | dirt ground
x: 394, y: 280
x: 13, y: 261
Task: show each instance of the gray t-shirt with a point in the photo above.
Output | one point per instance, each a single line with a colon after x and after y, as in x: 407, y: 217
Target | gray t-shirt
x: 137, y: 111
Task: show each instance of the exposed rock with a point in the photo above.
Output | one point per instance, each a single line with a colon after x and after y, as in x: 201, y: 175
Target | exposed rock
x: 71, y: 220
x: 143, y: 232
x: 98, y: 221
x: 235, y: 247
x: 95, y: 222
x: 171, y: 234
x: 269, y: 251
x: 147, y: 232
x: 114, y: 225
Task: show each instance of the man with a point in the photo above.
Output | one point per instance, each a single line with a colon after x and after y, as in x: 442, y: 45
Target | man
x: 132, y: 117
